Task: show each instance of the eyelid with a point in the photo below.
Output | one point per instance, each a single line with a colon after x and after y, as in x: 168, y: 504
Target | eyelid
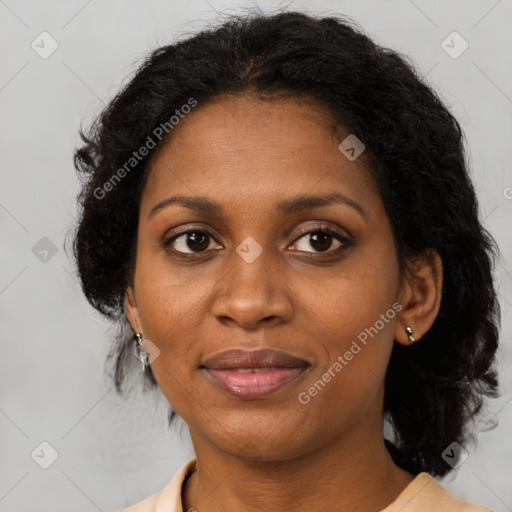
x: 167, y: 240
x: 346, y: 241
x: 343, y: 235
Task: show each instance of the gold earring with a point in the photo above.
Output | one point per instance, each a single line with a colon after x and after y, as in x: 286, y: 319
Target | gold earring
x: 408, y: 330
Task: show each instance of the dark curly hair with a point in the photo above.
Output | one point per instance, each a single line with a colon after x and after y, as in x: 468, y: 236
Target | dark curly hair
x: 415, y: 151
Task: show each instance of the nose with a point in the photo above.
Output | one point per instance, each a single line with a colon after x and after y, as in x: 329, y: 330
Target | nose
x: 253, y: 295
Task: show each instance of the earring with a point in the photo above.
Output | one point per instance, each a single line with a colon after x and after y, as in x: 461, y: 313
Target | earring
x: 141, y: 354
x: 408, y: 330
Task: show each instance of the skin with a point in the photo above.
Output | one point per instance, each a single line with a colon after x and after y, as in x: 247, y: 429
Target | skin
x: 275, y: 453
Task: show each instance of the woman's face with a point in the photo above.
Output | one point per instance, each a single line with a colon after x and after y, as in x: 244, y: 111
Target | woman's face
x: 254, y: 275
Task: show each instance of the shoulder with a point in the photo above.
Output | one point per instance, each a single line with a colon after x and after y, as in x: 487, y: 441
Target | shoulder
x: 425, y: 494
x: 168, y: 498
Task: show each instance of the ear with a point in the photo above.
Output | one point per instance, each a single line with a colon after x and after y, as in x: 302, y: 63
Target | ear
x: 420, y: 296
x: 132, y: 312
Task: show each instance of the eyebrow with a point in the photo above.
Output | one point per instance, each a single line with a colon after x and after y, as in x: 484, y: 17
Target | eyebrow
x: 287, y: 206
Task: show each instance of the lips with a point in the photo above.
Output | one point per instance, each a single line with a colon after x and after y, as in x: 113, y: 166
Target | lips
x: 249, y: 375
x: 262, y: 358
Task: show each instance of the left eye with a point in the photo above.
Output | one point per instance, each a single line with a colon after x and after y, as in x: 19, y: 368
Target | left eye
x: 321, y: 240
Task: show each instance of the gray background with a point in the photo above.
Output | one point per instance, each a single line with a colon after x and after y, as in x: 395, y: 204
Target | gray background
x: 112, y: 453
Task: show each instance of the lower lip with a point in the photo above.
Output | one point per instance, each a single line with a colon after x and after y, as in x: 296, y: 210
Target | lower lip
x: 251, y: 385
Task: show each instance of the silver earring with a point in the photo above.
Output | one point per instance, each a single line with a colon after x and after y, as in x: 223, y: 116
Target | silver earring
x: 141, y: 354
x: 408, y: 330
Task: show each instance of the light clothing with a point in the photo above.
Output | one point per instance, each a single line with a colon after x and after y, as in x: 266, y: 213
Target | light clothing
x: 423, y: 494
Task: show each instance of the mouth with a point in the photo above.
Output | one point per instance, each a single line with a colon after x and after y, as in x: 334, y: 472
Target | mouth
x: 249, y: 375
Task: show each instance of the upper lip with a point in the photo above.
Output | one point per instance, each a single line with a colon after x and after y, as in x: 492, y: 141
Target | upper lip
x: 261, y: 358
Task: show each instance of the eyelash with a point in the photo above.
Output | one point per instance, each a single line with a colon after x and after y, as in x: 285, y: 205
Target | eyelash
x: 346, y: 242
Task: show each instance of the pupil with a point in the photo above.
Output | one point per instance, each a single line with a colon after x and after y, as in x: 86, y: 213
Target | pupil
x: 197, y: 238
x: 320, y: 241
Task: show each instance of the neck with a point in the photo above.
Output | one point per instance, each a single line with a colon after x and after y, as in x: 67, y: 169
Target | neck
x: 353, y: 472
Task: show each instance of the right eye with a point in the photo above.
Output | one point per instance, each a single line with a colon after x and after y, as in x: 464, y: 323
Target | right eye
x: 189, y: 242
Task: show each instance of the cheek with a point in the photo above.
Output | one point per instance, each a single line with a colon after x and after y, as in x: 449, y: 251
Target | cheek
x: 357, y: 296
x: 355, y: 312
x: 345, y: 386
x: 166, y: 295
x: 171, y: 310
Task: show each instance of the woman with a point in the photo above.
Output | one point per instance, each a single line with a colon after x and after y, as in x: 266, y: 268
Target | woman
x: 278, y: 214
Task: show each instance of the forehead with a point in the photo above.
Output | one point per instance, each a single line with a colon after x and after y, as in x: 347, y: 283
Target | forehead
x: 248, y: 147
